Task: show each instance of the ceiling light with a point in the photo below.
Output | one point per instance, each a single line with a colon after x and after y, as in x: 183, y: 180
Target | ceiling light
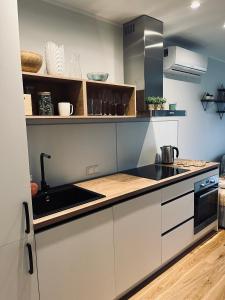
x: 195, y: 4
x: 224, y: 25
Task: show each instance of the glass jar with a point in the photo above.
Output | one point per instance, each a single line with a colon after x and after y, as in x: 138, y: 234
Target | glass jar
x: 45, y: 106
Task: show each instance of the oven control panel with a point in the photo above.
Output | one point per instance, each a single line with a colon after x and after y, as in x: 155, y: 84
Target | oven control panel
x: 206, y: 183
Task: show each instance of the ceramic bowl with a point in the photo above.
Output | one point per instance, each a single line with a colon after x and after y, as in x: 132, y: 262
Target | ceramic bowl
x: 31, y: 61
x: 98, y: 76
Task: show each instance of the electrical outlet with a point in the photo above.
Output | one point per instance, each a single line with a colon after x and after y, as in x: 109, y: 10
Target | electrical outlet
x: 96, y: 169
x: 92, y: 170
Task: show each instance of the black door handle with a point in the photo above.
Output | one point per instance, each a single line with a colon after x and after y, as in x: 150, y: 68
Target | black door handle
x: 26, y: 208
x: 30, y: 256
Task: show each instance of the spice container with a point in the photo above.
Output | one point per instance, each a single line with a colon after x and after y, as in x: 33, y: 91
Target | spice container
x: 172, y: 106
x: 45, y: 106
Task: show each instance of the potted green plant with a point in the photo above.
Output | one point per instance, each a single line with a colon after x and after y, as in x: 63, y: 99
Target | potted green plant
x: 162, y: 103
x: 155, y: 103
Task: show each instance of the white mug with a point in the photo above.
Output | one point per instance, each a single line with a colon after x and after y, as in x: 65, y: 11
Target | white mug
x: 65, y: 109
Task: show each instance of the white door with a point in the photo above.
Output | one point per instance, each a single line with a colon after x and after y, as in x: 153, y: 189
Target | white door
x: 137, y: 237
x: 14, y: 178
x: 16, y: 283
x: 76, y: 260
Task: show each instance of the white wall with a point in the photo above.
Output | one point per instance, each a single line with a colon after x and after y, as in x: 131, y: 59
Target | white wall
x: 98, y: 43
x: 113, y: 147
x: 201, y: 134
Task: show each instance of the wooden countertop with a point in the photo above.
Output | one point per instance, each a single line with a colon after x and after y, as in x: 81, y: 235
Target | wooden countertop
x: 116, y: 187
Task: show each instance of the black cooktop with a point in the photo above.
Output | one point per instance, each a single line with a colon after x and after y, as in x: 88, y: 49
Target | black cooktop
x: 155, y: 172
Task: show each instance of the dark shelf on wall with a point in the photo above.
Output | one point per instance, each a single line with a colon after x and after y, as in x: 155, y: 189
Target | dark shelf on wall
x: 169, y: 113
x: 220, y: 106
x: 163, y: 113
x: 221, y: 113
x: 205, y: 103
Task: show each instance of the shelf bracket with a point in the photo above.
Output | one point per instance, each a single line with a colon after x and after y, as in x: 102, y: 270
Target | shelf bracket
x: 221, y: 113
x: 204, y: 104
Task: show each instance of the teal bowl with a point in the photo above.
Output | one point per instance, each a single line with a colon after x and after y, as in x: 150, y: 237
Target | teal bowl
x: 98, y: 76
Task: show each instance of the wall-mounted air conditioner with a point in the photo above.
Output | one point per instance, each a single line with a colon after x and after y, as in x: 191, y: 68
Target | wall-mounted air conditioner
x: 181, y: 61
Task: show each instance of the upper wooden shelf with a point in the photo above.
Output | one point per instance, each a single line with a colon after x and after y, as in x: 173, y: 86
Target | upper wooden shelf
x: 92, y: 100
x: 36, y: 76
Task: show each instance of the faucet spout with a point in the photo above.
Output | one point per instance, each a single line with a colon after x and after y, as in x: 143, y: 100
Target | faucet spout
x: 44, y: 185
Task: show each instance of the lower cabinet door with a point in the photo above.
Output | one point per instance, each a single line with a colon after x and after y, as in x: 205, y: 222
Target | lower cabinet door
x: 76, y: 260
x: 137, y: 237
x: 16, y: 283
x: 177, y: 240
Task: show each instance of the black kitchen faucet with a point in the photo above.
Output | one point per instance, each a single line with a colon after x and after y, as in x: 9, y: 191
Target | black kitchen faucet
x: 44, y: 185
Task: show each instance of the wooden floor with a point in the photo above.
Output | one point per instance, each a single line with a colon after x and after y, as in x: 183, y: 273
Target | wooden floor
x: 198, y: 275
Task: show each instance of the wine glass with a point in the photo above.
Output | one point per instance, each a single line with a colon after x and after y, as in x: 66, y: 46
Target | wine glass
x: 91, y: 102
x: 119, y: 105
x: 125, y: 102
x: 105, y: 110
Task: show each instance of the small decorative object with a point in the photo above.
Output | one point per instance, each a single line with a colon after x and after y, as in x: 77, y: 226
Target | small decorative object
x: 65, y: 109
x: 155, y: 103
x: 34, y: 188
x: 54, y: 55
x: 172, y: 106
x: 207, y: 96
x: 75, y: 68
x: 45, y: 105
x: 27, y: 105
x: 31, y: 61
x: 98, y: 76
x: 27, y: 102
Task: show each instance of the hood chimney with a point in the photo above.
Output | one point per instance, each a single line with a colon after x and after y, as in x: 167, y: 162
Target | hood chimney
x: 143, y: 57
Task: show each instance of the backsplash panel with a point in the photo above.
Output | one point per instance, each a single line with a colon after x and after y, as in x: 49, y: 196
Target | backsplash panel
x: 73, y: 148
x: 113, y: 147
x: 138, y: 143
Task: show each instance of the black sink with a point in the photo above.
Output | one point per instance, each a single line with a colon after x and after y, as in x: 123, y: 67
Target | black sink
x: 61, y: 198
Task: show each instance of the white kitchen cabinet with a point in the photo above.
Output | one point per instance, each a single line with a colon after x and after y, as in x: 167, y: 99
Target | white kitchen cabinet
x: 13, y: 150
x: 137, y: 238
x: 76, y: 260
x: 177, y: 189
x: 177, y: 211
x: 15, y: 281
x: 177, y: 240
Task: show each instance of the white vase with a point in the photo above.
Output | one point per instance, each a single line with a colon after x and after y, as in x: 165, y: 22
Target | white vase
x: 54, y: 56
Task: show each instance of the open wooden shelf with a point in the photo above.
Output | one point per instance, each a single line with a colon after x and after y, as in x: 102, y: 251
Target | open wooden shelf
x: 53, y: 120
x: 80, y: 93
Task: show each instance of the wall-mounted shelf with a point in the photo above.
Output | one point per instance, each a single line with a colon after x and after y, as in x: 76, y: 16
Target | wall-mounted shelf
x: 86, y: 96
x: 163, y: 113
x: 220, y: 106
x: 54, y: 120
x: 169, y: 113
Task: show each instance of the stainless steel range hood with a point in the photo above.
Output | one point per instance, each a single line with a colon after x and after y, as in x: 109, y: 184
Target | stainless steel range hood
x: 143, y: 57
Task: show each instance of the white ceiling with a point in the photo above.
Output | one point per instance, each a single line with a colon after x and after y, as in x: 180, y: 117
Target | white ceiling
x: 203, y: 27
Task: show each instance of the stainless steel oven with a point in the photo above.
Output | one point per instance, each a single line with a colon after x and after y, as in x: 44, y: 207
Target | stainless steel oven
x: 206, y: 203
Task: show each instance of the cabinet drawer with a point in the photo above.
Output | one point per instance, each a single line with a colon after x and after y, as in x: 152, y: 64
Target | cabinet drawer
x: 177, y: 211
x: 177, y: 240
x: 177, y: 189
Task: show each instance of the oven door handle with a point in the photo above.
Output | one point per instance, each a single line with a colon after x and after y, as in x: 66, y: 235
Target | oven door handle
x: 208, y: 193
